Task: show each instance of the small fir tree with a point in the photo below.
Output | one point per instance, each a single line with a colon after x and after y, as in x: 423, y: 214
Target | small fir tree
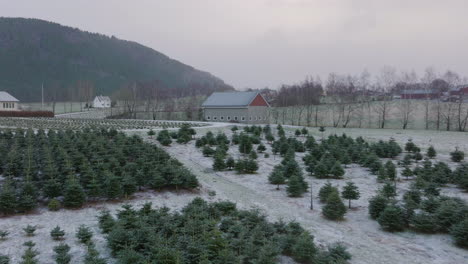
x: 230, y: 163
x: 277, y: 178
x: 74, y: 195
x: 296, y: 186
x: 57, y: 233
x: 219, y: 164
x: 325, y: 191
x: 62, y: 255
x: 407, y: 172
x: 376, y: 206
x: 392, y: 219
x: 431, y: 152
x: 84, y: 234
x: 457, y: 155
x: 350, y: 192
x: 334, y: 209
x: 29, y: 230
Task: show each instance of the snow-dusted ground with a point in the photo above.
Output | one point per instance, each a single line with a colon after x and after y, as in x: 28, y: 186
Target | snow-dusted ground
x: 363, y: 237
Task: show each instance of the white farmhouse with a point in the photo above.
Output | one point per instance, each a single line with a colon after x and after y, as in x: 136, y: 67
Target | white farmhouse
x: 8, y: 102
x: 102, y: 102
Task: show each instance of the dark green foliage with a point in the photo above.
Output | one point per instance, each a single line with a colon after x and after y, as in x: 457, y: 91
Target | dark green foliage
x: 82, y: 165
x: 164, y: 138
x: 337, y: 171
x: 276, y: 177
x: 30, y: 254
x: 106, y: 222
x: 207, y: 151
x: 4, y: 234
x: 411, y: 147
x: 4, y: 259
x: 151, y: 133
x: 245, y: 143
x: 431, y: 152
x: 8, y: 201
x: 219, y: 164
x: 376, y: 206
x: 261, y: 148
x: 350, y: 192
x: 388, y: 149
x: 74, y: 195
x: 207, y: 233
x: 304, y: 249
x: 57, y: 233
x: 424, y: 222
x: 61, y: 254
x: 334, y: 209
x: 297, y: 132
x: 390, y: 170
x: 392, y: 219
x: 230, y: 163
x: 253, y: 155
x: 407, y: 172
x: 54, y: 205
x: 459, y: 233
x: 325, y: 191
x: 388, y: 190
x: 92, y: 255
x: 84, y: 234
x: 457, y: 155
x: 29, y: 230
x: 296, y: 186
x: 246, y: 166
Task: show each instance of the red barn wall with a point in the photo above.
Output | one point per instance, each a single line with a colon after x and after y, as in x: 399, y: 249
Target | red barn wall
x: 258, y: 101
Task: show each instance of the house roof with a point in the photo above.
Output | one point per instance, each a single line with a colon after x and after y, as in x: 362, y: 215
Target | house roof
x: 418, y: 91
x: 230, y: 99
x: 6, y: 97
x: 103, y: 98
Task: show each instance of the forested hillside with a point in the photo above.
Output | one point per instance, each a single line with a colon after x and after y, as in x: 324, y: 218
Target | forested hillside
x: 34, y: 51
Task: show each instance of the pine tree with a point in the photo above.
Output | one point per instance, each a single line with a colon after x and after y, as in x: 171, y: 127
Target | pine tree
x: 57, y: 233
x: 8, y: 201
x: 304, y: 131
x: 62, y: 255
x: 297, y: 132
x: 321, y: 170
x: 457, y: 155
x: 251, y: 166
x: 431, y: 152
x: 4, y: 259
x: 296, y: 186
x: 376, y: 205
x: 261, y: 148
x: 230, y: 163
x: 74, y: 195
x: 392, y: 219
x: 304, y: 250
x: 276, y: 177
x: 460, y: 233
x: 27, y: 199
x: 253, y: 155
x: 407, y: 172
x: 325, y: 191
x: 113, y: 187
x: 129, y: 185
x: 219, y: 163
x: 334, y: 209
x: 350, y: 192
x: 84, y: 234
x: 29, y: 230
x: 30, y: 254
x: 151, y: 133
x: 390, y: 170
x: 388, y: 190
x: 337, y: 171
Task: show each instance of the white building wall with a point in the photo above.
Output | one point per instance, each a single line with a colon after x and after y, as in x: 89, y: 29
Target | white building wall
x: 9, y: 106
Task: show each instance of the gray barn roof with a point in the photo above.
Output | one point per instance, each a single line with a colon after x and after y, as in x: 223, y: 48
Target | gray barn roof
x: 230, y: 99
x: 6, y: 97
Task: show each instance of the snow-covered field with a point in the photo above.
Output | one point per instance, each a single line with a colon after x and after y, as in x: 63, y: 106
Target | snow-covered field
x: 363, y: 237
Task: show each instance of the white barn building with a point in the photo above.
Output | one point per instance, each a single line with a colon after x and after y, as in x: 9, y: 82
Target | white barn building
x: 8, y: 102
x: 102, y: 102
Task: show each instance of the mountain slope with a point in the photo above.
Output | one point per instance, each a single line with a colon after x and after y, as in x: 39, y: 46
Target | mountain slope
x: 33, y: 51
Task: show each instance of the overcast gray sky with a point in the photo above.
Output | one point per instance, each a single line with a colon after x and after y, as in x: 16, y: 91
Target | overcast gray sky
x: 258, y: 43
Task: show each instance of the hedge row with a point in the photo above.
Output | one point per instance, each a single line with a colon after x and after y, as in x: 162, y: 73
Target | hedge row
x: 26, y: 114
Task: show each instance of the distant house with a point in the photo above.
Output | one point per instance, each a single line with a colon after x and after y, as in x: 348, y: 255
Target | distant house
x: 102, y: 102
x: 461, y: 90
x: 419, y: 94
x: 8, y: 102
x: 242, y: 107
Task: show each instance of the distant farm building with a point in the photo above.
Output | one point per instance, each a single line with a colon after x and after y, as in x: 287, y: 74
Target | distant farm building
x: 419, y: 94
x: 102, y: 102
x: 242, y: 107
x: 459, y: 91
x: 8, y: 102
